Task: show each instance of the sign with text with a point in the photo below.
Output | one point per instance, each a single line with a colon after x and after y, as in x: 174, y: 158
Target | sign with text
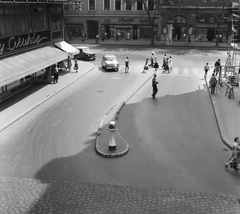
x: 20, y: 42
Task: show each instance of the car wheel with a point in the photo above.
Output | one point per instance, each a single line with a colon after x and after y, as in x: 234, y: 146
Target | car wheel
x: 117, y: 70
x: 85, y: 58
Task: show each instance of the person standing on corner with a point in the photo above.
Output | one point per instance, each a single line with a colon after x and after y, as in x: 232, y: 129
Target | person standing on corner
x: 55, y: 74
x: 76, y: 65
x: 69, y: 64
x: 213, y: 83
x: 206, y: 69
x: 126, y: 65
x: 154, y: 85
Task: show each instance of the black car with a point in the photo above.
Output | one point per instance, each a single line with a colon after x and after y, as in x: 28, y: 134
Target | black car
x: 85, y: 53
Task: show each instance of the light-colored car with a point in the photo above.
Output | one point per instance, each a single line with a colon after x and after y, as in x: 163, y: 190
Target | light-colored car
x: 85, y: 53
x: 109, y: 62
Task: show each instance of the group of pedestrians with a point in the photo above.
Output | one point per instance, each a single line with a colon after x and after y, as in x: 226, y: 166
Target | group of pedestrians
x: 216, y: 72
x: 167, y: 64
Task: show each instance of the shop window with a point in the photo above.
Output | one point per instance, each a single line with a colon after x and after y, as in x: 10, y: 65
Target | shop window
x: 106, y: 4
x: 208, y: 1
x: 91, y: 5
x: 201, y: 18
x: 56, y: 21
x: 39, y: 18
x: 117, y: 5
x: 139, y: 5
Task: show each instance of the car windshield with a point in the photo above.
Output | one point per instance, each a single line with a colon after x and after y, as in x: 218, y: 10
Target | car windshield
x: 86, y: 49
x: 111, y: 58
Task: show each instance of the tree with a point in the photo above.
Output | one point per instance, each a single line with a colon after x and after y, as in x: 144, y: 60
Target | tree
x: 219, y: 16
x: 152, y: 9
x: 72, y: 5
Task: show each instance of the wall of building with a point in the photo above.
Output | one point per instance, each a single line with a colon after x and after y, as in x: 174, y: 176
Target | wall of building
x: 192, y: 17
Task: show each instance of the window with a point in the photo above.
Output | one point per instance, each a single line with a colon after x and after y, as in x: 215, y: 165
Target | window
x: 117, y: 5
x: 129, y: 6
x: 150, y: 4
x: 139, y: 5
x: 208, y: 1
x: 106, y: 5
x: 91, y: 5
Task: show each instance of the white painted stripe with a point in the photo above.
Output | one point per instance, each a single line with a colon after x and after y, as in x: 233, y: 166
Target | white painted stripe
x: 185, y: 71
x: 196, y: 70
x: 175, y: 70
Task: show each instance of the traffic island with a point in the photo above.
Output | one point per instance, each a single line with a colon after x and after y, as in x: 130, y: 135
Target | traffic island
x: 104, y: 143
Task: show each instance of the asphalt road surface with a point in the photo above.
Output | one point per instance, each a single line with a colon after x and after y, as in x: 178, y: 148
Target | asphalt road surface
x: 174, y: 141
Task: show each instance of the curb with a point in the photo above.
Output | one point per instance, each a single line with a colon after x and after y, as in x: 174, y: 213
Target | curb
x: 4, y: 126
x: 221, y: 128
x: 124, y: 152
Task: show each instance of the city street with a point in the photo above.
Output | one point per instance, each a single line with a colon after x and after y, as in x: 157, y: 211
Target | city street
x: 174, y: 140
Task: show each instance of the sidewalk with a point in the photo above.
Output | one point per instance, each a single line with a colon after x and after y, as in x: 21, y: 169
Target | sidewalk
x: 14, y: 108
x: 227, y: 113
x: 141, y: 42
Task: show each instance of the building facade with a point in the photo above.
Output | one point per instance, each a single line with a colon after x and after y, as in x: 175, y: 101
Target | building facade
x: 196, y: 18
x: 29, y: 34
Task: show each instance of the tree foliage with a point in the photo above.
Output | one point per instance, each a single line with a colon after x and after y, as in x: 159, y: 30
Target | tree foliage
x: 152, y: 9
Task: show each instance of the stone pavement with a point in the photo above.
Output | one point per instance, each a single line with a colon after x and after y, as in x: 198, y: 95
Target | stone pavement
x: 44, y: 197
x: 20, y: 195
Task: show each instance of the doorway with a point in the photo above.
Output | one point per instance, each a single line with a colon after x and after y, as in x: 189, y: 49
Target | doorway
x: 92, y: 27
x: 177, y: 33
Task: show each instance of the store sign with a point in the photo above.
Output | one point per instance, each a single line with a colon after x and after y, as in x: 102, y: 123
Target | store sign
x: 20, y: 42
x: 212, y: 20
x: 126, y: 20
x: 144, y: 20
x: 107, y: 20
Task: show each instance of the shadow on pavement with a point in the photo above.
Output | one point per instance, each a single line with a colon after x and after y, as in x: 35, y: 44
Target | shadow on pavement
x: 178, y: 147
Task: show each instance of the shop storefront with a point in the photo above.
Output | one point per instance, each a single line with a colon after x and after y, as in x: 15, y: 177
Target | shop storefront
x: 137, y: 28
x: 20, y: 69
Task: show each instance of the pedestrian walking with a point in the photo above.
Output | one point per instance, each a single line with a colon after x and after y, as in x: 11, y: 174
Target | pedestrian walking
x: 164, y: 60
x: 76, y: 65
x: 83, y: 37
x: 152, y: 59
x: 206, y: 69
x: 145, y: 68
x: 166, y: 66
x: 156, y: 66
x: 117, y: 36
x: 55, y: 74
x: 97, y: 38
x: 235, y: 156
x: 213, y: 83
x: 170, y: 63
x: 126, y: 65
x: 69, y: 64
x: 217, y: 67
x: 154, y: 86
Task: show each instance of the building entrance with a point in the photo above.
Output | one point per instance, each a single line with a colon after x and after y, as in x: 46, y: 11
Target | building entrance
x: 92, y: 27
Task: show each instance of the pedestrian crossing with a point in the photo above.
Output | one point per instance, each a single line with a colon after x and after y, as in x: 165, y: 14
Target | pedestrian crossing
x: 185, y: 71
